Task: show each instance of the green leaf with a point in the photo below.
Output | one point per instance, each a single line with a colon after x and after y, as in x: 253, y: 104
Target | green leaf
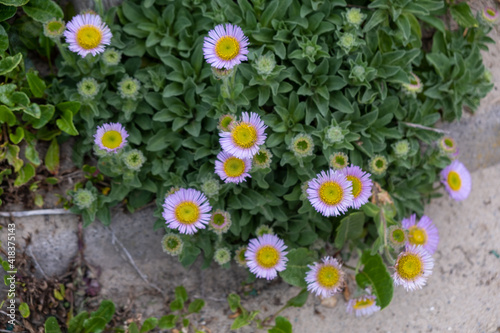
x: 52, y: 157
x: 24, y: 309
x: 65, y: 123
x: 240, y: 322
x: 47, y: 111
x: 51, y: 325
x: 12, y: 156
x: 76, y: 323
x: 8, y: 64
x: 37, y: 85
x: 149, y: 324
x: 299, y: 300
x: 176, y: 305
x: 4, y: 38
x: 7, y: 116
x: 282, y: 326
x: 340, y: 102
x: 72, y: 106
x: 98, y: 319
x: 25, y: 174
x: 296, y: 267
x: 181, y: 293
x: 351, y: 227
x: 33, y: 110
x: 43, y: 10
x: 132, y: 328
x: 462, y: 14
x: 167, y: 322
x: 375, y: 274
x: 370, y: 209
x: 234, y: 302
x: 196, y: 305
x: 17, y: 136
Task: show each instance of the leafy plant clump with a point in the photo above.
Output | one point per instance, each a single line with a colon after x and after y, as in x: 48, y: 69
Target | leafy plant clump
x: 335, y: 82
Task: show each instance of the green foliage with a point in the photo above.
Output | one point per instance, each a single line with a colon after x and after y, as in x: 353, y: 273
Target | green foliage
x: 375, y: 274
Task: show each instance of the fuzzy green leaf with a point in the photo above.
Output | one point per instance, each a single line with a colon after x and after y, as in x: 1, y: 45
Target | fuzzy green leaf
x: 52, y: 326
x: 43, y: 10
x: 375, y: 274
x: 296, y: 267
x: 351, y: 227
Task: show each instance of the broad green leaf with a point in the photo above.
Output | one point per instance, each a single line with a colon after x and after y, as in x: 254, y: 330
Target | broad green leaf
x: 52, y: 157
x: 375, y: 274
x: 38, y: 200
x: 240, y: 321
x: 296, y: 267
x: 299, y: 300
x: 31, y: 153
x: 98, y: 319
x: 6, y: 12
x: 46, y: 114
x: 132, y: 328
x: 51, y: 325
x: 234, y: 302
x: 176, y: 305
x: 149, y: 324
x: 43, y: 10
x: 13, y: 157
x: 4, y: 38
x: 37, y: 85
x: 65, y: 123
x: 33, y: 110
x: 282, y: 326
x: 7, y: 116
x: 72, y: 106
x: 167, y: 322
x: 196, y: 305
x: 25, y: 174
x: 181, y: 293
x: 76, y: 323
x: 351, y: 227
x: 462, y: 14
x: 17, y: 136
x: 24, y: 309
x: 340, y: 102
x: 8, y: 64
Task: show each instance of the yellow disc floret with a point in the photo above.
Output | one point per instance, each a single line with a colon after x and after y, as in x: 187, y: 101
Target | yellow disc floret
x: 409, y: 266
x: 328, y: 276
x: 454, y: 180
x: 187, y: 212
x: 244, y: 135
x: 227, y: 48
x: 331, y: 193
x: 267, y: 256
x: 356, y: 185
x: 234, y: 167
x: 363, y: 303
x: 88, y: 37
x: 417, y: 235
x: 112, y: 139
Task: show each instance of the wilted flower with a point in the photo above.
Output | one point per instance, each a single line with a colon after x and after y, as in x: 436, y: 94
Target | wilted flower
x: 172, y: 244
x: 134, y: 159
x: 239, y: 256
x: 302, y: 145
x: 111, y: 57
x: 220, y: 221
x: 490, y: 15
x: 222, y: 255
x: 338, y: 161
x: 83, y: 198
x: 88, y: 88
x: 378, y: 165
x: 397, y: 236
x: 225, y: 46
x: 87, y: 34
x: 210, y: 187
x: 415, y: 85
x: 225, y: 122
x: 262, y: 159
x: 54, y: 28
x: 128, y: 87
x: 222, y: 73
x: 447, y: 145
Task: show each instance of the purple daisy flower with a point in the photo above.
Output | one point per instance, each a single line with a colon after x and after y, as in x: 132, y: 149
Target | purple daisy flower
x: 111, y: 137
x: 412, y: 268
x: 225, y: 46
x: 232, y: 169
x: 325, y: 279
x: 490, y: 14
x: 363, y: 306
x: 245, y: 137
x: 361, y: 184
x: 186, y: 210
x: 86, y: 34
x: 456, y: 179
x: 423, y: 233
x: 330, y: 193
x: 265, y: 256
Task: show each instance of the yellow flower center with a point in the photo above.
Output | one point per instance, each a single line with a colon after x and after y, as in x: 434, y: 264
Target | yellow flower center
x: 409, y: 266
x: 417, y: 236
x: 112, y: 139
x: 187, y: 212
x: 328, y: 276
x: 234, y: 167
x: 331, y: 193
x: 363, y: 303
x: 227, y: 48
x: 356, y: 185
x: 454, y: 180
x: 88, y: 37
x: 244, y: 135
x: 267, y: 256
